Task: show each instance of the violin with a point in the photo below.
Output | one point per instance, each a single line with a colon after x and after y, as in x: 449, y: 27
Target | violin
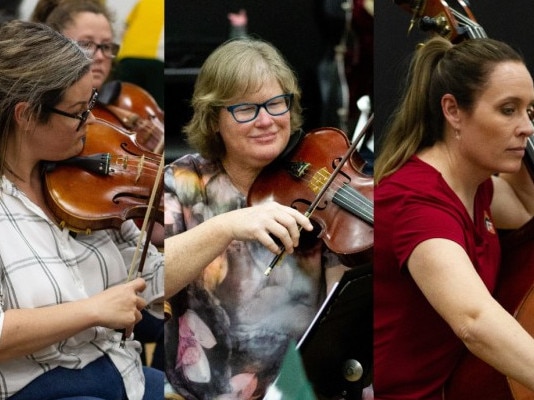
x: 314, y: 173
x: 131, y: 107
x: 110, y: 181
x: 473, y: 379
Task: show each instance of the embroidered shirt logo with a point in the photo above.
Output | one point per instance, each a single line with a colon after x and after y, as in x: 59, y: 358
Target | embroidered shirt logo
x: 489, y: 223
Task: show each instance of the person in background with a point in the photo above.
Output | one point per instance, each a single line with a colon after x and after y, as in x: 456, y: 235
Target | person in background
x: 231, y: 324
x: 449, y: 174
x: 140, y: 58
x: 63, y: 295
x: 89, y: 23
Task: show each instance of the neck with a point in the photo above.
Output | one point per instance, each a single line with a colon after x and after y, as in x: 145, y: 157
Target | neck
x: 460, y: 179
x: 241, y: 177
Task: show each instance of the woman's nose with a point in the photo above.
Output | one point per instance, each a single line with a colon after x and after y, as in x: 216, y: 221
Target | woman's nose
x: 264, y: 117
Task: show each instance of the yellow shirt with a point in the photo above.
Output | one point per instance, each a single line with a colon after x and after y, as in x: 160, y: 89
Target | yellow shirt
x: 144, y: 33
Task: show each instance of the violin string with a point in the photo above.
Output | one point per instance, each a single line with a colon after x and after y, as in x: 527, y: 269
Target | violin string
x: 133, y: 170
x: 358, y: 197
x: 336, y: 188
x: 131, y: 162
x: 351, y: 196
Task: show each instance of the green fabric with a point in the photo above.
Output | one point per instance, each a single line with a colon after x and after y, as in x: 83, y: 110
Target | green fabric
x: 292, y: 382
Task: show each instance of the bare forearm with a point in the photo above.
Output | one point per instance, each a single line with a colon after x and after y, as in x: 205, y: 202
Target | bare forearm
x: 28, y: 330
x: 188, y: 253
x: 498, y: 339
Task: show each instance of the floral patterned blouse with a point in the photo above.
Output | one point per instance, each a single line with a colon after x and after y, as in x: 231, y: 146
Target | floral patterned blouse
x: 230, y: 329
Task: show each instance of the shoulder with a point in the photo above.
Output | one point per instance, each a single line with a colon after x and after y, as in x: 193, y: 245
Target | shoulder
x: 194, y: 162
x: 188, y: 168
x: 410, y: 202
x: 414, y: 179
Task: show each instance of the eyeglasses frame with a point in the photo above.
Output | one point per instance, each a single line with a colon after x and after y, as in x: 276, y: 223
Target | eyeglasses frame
x: 100, y: 47
x: 83, y: 116
x: 288, y: 96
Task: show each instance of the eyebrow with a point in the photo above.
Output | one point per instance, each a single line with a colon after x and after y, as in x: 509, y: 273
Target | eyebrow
x: 81, y: 103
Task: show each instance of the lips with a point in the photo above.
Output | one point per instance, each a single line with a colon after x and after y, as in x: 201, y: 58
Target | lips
x: 517, y: 150
x: 264, y: 137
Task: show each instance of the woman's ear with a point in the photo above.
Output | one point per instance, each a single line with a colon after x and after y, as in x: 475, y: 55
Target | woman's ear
x: 451, y: 111
x: 23, y: 115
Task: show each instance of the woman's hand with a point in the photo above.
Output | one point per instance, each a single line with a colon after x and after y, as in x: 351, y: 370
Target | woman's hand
x: 189, y: 252
x: 119, y: 307
x: 266, y: 222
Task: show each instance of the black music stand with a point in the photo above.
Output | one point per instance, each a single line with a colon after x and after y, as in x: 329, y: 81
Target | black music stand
x: 337, y: 348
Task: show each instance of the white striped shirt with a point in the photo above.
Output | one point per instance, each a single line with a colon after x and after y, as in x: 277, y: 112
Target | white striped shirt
x: 43, y: 265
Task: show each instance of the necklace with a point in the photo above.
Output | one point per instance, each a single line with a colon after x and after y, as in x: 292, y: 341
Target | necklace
x: 243, y: 188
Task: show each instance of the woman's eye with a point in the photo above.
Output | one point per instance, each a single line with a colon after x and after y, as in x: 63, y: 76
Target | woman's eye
x: 245, y: 109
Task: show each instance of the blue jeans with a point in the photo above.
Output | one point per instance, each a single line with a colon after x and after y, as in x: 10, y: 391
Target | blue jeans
x: 99, y: 380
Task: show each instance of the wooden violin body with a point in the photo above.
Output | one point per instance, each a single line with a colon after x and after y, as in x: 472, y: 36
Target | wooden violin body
x: 131, y: 107
x: 345, y: 214
x: 109, y: 182
x: 129, y: 97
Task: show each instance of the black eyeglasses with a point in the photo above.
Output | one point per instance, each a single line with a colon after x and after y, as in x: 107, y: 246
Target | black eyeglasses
x: 246, y: 112
x: 110, y: 50
x: 83, y: 116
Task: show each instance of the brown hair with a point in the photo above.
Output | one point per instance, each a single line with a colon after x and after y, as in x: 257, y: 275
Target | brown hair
x: 60, y: 13
x: 27, y: 76
x: 437, y: 68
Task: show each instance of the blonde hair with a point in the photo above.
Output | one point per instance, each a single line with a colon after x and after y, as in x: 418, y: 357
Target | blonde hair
x: 236, y: 67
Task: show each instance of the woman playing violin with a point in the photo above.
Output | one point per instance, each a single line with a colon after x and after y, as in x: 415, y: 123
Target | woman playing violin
x: 89, y: 22
x: 232, y: 324
x: 62, y: 295
x: 449, y: 174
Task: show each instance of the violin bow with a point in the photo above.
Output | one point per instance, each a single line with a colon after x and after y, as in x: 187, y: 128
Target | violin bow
x: 278, y: 258
x: 145, y: 233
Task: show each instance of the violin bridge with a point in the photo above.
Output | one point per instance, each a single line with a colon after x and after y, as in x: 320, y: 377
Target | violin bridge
x: 140, y: 167
x: 318, y: 180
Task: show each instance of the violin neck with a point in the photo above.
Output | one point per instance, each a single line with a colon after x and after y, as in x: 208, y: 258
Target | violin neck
x: 354, y: 202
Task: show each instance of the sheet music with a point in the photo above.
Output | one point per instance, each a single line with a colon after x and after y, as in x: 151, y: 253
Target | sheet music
x: 320, y: 314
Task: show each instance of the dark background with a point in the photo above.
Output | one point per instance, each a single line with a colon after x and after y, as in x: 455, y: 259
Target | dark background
x: 304, y: 35
x: 510, y: 21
